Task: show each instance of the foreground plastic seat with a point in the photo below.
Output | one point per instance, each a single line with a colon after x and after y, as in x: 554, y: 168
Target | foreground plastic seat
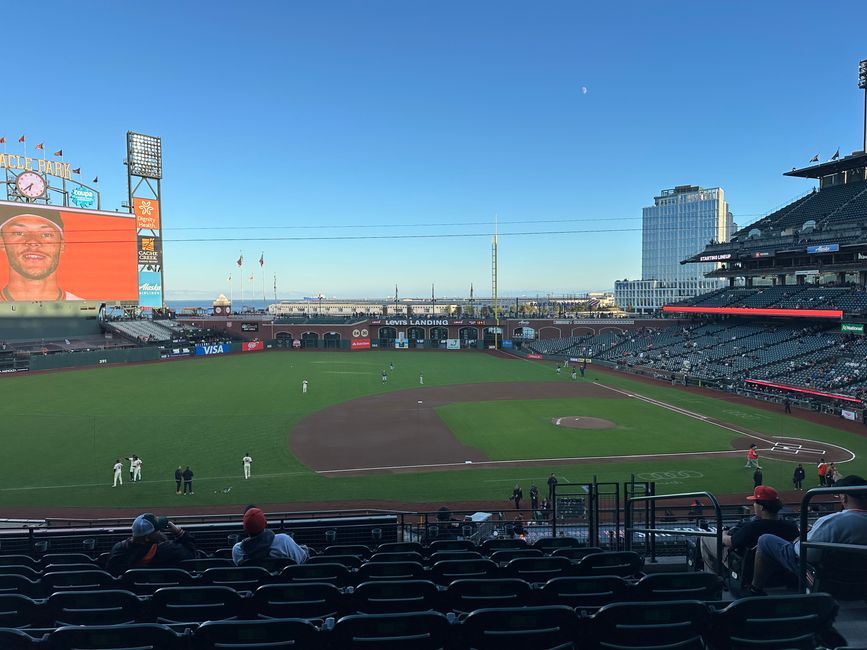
x: 297, y: 600
x: 400, y: 547
x: 17, y: 610
x: 549, y: 544
x: 360, y: 550
x: 625, y: 564
x: 469, y: 595
x: 142, y: 636
x: 76, y: 581
x: 335, y: 574
x: 416, y: 630
x: 538, y: 569
x: 678, y: 586
x: 576, y: 552
x: 841, y: 574
x: 241, y: 578
x: 202, y: 564
x: 293, y: 633
x: 394, y: 596
x: 195, y: 604
x: 451, y: 545
x: 500, y: 544
x: 450, y: 570
x: 442, y: 556
x: 67, y: 558
x: 520, y: 627
x: 678, y: 624
x: 509, y: 554
x: 18, y: 584
x: 584, y: 591
x: 99, y: 607
x: 146, y: 581
x: 397, y: 556
x: 272, y: 564
x: 349, y: 561
x: 12, y: 639
x: 390, y: 571
x: 18, y: 560
x: 777, y: 622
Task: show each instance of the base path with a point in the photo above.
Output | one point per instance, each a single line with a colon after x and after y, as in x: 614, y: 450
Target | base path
x: 401, y: 430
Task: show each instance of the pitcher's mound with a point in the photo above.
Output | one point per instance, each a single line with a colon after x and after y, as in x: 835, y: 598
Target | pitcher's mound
x: 582, y: 422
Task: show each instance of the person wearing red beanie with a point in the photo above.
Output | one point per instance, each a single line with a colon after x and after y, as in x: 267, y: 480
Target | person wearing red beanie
x: 263, y: 543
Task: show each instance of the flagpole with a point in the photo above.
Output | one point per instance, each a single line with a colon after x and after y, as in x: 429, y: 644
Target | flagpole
x: 262, y: 268
x: 231, y: 292
x: 241, y: 273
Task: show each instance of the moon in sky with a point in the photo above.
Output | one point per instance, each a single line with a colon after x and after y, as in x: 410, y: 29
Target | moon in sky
x: 583, y: 90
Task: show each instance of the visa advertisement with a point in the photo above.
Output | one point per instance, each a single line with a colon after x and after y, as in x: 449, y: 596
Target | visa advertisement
x: 207, y: 349
x: 51, y: 253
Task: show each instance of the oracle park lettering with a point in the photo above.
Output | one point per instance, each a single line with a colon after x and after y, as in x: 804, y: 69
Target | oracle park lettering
x: 203, y: 350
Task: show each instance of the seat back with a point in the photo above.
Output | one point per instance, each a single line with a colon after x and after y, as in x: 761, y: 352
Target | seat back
x: 549, y: 544
x: 677, y: 624
x: 441, y: 556
x: 97, y: 607
x: 575, y: 552
x: 76, y: 580
x: 584, y: 591
x: 776, y: 622
x: 246, y: 635
x: 448, y: 570
x: 390, y: 571
x: 501, y: 544
x: 271, y: 564
x: 66, y: 558
x: 17, y: 610
x: 297, y: 600
x: 146, y: 581
x: 394, y: 596
x: 678, y: 586
x: 18, y: 560
x: 12, y: 639
x: 139, y: 636
x: 625, y: 564
x: 538, y: 569
x: 195, y: 604
x: 330, y: 572
x: 416, y: 630
x: 18, y: 584
x: 469, y: 595
x: 520, y: 627
x: 451, y: 545
x: 22, y: 570
x: 841, y: 574
x: 202, y: 564
x: 397, y: 556
x: 400, y: 547
x: 509, y: 554
x: 360, y: 550
x: 349, y: 561
x: 240, y: 578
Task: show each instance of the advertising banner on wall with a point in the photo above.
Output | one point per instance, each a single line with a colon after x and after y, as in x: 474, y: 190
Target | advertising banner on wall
x: 252, y: 346
x: 207, y: 349
x: 147, y: 213
x: 249, y: 327
x: 51, y: 253
x: 150, y: 289
x: 360, y: 344
x: 507, y: 344
x: 534, y: 356
x: 453, y: 344
x: 150, y: 251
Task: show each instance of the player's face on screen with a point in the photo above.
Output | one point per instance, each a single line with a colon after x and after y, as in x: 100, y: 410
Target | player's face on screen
x: 33, y: 246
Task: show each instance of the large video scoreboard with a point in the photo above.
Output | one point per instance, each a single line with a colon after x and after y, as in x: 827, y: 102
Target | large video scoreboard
x: 50, y: 253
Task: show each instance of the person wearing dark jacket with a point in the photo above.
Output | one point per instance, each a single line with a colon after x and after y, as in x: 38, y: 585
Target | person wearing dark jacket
x: 188, y: 480
x: 798, y: 476
x: 149, y: 547
x: 517, y: 495
x: 263, y: 543
x: 179, y: 477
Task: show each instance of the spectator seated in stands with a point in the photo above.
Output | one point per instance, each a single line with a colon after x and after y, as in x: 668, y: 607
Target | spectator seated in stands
x: 264, y: 543
x: 766, y: 507
x: 849, y: 526
x: 447, y: 528
x: 150, y: 547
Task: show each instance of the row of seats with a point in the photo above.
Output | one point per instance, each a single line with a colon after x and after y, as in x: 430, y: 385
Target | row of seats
x: 772, y: 623
x: 193, y: 604
x: 143, y: 581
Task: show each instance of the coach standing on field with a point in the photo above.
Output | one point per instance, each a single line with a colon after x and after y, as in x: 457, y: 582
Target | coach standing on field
x: 188, y: 480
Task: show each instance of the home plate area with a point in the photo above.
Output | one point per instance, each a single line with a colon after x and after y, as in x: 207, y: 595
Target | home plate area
x: 805, y: 451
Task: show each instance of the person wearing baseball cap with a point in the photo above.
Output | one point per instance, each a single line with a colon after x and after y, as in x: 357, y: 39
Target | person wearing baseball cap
x: 848, y: 526
x: 33, y: 242
x: 766, y: 507
x: 263, y: 543
x: 150, y: 547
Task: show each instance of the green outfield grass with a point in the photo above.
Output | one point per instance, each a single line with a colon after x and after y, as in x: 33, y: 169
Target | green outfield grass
x: 62, y: 431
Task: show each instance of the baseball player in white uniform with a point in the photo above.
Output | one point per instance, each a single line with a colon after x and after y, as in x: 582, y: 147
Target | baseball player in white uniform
x: 247, y: 461
x: 304, y: 386
x: 136, y: 468
x: 118, y: 478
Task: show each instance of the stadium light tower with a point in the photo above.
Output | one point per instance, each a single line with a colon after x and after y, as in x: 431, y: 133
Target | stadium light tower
x: 862, y: 84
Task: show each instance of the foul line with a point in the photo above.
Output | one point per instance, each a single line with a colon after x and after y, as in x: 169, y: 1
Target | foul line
x: 207, y: 479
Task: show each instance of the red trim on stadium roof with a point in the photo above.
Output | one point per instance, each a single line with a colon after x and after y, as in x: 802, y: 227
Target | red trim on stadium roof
x: 795, y: 389
x: 797, y: 313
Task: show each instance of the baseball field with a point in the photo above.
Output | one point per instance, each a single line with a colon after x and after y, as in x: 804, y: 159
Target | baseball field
x: 476, y: 425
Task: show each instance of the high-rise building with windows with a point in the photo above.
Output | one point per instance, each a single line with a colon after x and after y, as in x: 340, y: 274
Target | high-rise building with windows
x: 680, y: 223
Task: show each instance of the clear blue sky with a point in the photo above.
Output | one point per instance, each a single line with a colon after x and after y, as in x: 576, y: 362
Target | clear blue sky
x: 281, y: 115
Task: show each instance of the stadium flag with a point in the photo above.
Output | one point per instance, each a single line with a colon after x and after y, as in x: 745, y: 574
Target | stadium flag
x: 229, y: 279
x: 95, y: 179
x: 240, y: 261
x: 251, y: 277
x: 3, y: 140
x: 836, y: 154
x: 815, y: 158
x: 77, y: 170
x: 59, y: 153
x: 262, y: 259
x: 41, y: 145
x: 21, y: 139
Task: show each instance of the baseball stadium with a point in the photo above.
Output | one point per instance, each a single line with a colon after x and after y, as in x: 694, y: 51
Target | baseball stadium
x: 456, y: 474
